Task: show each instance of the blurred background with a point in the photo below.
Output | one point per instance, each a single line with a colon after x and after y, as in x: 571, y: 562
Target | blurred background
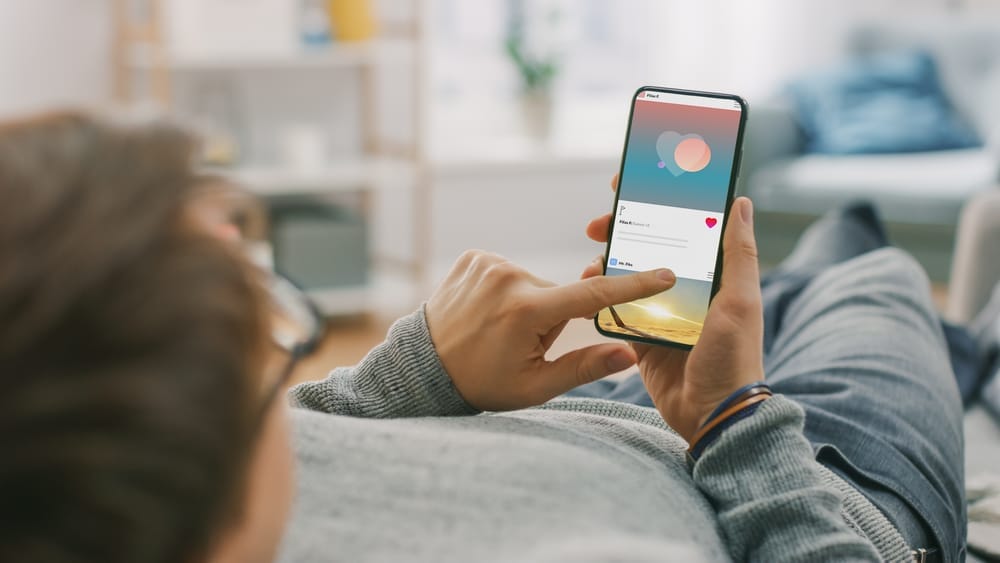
x: 384, y: 137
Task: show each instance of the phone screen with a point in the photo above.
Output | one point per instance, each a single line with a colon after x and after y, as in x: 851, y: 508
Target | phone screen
x: 675, y: 187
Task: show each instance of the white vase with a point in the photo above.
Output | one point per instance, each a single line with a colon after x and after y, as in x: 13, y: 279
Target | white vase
x: 536, y: 114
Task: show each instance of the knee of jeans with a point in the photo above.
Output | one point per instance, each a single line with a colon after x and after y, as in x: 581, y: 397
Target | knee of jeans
x: 897, y: 260
x: 885, y: 270
x: 896, y: 269
x: 894, y: 266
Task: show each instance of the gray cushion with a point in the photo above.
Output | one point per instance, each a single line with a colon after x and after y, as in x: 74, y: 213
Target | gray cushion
x: 913, y: 188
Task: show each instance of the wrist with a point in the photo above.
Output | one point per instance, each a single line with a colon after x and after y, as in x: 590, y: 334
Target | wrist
x: 740, y: 394
x: 738, y: 405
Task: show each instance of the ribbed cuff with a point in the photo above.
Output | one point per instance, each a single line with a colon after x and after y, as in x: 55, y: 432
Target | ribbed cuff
x: 402, y: 377
x: 775, y: 428
x: 769, y: 494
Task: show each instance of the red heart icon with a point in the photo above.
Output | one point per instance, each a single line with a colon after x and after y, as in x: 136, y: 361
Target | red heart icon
x: 710, y: 221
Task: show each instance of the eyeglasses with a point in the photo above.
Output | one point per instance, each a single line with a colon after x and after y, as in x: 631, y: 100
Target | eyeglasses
x: 275, y: 380
x: 296, y: 329
x: 296, y: 324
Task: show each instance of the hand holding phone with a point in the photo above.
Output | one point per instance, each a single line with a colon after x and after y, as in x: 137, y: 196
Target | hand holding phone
x: 676, y: 183
x: 687, y: 385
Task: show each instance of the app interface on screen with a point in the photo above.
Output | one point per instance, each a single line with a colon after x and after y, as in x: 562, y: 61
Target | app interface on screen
x: 672, y: 196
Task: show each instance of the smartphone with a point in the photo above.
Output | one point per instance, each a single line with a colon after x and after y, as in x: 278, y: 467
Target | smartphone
x: 675, y: 187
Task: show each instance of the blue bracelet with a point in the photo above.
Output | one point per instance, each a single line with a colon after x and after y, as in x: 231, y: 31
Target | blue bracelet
x: 714, y: 433
x: 733, y: 397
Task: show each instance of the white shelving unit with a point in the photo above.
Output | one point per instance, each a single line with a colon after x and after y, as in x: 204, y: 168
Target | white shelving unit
x: 336, y: 176
x: 334, y: 55
x: 141, y: 51
x: 325, y: 57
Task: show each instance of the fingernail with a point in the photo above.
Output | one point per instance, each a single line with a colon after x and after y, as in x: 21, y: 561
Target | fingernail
x: 619, y: 360
x: 666, y: 275
x: 746, y: 211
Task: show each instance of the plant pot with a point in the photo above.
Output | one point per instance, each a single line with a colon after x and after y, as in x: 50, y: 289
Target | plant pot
x: 536, y: 114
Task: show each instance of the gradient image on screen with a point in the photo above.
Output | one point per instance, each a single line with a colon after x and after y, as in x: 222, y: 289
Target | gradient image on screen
x: 673, y: 191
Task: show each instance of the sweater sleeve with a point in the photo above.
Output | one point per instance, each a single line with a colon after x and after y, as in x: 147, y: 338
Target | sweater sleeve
x: 401, y: 377
x: 765, y: 484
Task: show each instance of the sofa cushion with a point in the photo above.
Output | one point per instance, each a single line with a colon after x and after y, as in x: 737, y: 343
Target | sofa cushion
x: 911, y: 188
x: 966, y: 49
x: 880, y: 103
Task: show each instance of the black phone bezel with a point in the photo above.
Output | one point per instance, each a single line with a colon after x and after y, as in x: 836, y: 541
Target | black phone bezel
x: 731, y: 194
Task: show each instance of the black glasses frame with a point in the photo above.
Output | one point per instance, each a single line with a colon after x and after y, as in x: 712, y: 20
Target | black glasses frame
x: 295, y: 355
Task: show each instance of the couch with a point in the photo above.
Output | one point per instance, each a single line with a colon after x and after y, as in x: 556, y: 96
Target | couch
x: 919, y: 193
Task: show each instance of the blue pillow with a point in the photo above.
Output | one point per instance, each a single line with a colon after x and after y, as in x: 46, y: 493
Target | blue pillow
x: 882, y: 103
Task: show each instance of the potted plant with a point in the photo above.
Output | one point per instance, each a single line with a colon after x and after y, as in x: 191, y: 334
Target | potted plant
x: 529, y: 46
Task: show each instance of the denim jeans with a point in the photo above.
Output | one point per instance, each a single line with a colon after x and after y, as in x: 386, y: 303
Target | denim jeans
x: 856, y: 341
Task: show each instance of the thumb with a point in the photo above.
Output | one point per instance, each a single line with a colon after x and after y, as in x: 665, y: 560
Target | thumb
x: 740, y: 274
x: 583, y: 366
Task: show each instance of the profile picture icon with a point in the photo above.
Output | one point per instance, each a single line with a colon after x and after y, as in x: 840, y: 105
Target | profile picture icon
x: 682, y: 153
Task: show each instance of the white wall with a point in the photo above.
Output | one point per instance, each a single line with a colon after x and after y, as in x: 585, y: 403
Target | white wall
x: 533, y: 214
x: 54, y: 53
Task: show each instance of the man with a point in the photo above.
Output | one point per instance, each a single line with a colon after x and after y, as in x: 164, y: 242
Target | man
x: 140, y: 422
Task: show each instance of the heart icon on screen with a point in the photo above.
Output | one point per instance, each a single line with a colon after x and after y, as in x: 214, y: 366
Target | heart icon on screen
x: 711, y: 221
x: 682, y: 153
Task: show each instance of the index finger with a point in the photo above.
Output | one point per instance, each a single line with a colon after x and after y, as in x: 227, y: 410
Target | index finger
x: 586, y: 297
x: 614, y: 183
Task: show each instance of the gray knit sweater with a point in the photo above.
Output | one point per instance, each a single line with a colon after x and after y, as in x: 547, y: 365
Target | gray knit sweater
x: 395, y: 466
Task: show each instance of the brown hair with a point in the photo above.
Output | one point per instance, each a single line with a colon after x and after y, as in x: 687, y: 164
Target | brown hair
x: 129, y: 341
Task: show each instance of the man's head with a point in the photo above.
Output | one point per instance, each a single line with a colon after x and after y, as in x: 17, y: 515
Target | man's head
x: 132, y: 345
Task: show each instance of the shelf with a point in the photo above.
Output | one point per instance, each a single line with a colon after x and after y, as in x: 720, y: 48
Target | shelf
x: 157, y: 64
x: 338, y: 176
x: 341, y: 301
x: 335, y: 55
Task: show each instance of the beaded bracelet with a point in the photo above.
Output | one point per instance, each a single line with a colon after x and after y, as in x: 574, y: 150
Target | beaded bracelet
x: 739, y: 405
